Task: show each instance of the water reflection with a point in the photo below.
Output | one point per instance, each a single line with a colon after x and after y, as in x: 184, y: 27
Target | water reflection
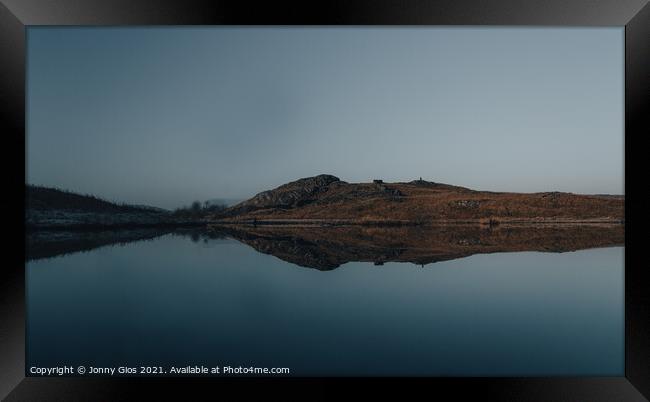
x: 53, y: 243
x: 201, y: 297
x: 327, y: 248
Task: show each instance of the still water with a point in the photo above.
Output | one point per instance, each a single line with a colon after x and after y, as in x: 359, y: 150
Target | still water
x: 174, y: 300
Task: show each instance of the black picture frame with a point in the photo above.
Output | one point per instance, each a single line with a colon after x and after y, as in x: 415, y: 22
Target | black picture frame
x: 17, y: 15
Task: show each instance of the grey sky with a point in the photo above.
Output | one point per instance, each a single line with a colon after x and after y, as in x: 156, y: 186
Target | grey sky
x: 164, y: 116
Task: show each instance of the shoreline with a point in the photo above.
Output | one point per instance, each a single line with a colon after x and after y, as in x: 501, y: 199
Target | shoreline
x: 483, y: 222
x: 399, y: 223
x: 94, y: 227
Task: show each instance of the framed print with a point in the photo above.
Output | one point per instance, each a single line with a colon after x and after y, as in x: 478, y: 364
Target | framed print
x: 274, y: 198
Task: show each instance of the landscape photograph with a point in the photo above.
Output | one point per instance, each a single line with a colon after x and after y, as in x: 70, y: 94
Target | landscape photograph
x: 325, y: 201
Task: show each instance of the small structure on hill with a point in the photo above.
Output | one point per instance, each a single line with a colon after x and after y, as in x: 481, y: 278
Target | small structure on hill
x: 378, y: 181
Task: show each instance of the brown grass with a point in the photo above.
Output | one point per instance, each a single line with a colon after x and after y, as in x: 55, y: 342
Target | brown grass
x: 424, y: 205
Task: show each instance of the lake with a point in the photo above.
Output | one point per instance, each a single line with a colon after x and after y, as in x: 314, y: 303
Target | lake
x: 464, y: 305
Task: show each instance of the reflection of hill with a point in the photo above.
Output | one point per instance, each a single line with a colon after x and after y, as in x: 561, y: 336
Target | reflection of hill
x: 327, y: 248
x: 47, y: 244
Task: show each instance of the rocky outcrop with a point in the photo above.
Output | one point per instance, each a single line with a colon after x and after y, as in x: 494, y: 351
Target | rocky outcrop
x: 466, y: 203
x: 433, y: 184
x: 319, y: 190
x: 290, y: 195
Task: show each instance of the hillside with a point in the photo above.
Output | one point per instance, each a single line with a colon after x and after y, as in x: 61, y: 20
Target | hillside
x: 48, y: 198
x: 326, y: 199
x: 50, y: 208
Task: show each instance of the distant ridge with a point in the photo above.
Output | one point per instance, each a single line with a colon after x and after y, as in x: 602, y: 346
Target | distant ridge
x: 43, y: 198
x: 52, y: 208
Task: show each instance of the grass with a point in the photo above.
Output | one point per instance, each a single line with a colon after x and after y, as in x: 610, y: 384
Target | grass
x: 423, y: 205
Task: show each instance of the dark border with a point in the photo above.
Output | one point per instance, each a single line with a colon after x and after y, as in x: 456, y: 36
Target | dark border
x: 15, y: 15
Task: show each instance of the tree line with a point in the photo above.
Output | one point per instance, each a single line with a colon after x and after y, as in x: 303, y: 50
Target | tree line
x: 197, y: 209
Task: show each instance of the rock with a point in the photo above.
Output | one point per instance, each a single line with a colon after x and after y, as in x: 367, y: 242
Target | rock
x: 467, y: 204
x: 296, y: 193
x: 553, y: 195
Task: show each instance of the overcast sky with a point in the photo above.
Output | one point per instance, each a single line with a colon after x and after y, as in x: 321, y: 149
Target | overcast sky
x: 164, y: 116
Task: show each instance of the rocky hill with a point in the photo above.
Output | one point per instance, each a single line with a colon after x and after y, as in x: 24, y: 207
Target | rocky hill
x: 326, y: 199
